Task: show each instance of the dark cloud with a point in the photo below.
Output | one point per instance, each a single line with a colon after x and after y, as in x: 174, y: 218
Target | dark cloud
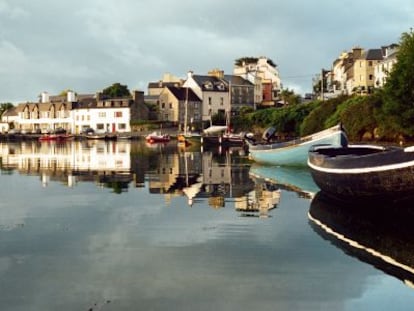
x: 87, y: 45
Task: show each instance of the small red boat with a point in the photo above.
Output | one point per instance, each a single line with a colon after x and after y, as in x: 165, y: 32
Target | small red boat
x: 55, y: 137
x: 155, y: 137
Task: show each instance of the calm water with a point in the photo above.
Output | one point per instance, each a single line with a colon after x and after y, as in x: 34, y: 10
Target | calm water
x: 123, y: 226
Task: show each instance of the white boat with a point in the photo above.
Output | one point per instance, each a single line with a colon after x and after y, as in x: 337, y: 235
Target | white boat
x: 157, y: 137
x: 295, y: 152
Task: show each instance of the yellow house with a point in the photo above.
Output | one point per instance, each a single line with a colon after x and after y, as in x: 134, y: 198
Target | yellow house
x: 181, y: 106
x: 364, y: 71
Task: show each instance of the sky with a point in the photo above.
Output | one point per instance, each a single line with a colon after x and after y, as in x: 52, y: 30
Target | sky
x: 87, y: 45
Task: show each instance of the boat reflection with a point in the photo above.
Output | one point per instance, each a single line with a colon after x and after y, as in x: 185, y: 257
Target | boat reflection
x: 297, y: 179
x: 380, y: 234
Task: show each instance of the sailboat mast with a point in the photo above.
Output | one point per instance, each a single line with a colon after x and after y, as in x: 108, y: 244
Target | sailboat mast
x: 186, y: 111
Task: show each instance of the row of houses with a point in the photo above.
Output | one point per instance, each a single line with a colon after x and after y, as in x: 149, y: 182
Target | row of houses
x: 75, y: 113
x: 185, y: 102
x: 359, y: 71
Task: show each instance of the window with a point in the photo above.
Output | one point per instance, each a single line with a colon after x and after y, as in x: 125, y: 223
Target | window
x: 221, y: 101
x: 121, y: 126
x: 100, y: 126
x: 371, y: 77
x: 209, y: 100
x: 118, y: 114
x: 102, y: 115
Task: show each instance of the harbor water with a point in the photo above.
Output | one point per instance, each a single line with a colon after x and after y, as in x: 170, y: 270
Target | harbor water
x: 121, y: 225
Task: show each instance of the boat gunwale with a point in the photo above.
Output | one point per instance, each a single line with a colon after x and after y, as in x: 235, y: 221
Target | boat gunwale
x: 323, y: 163
x: 300, y: 141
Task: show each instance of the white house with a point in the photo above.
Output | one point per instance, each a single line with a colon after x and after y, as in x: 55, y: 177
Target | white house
x: 382, y: 69
x: 75, y: 113
x: 212, y: 91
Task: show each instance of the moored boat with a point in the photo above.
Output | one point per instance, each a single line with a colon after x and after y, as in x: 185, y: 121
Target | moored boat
x: 157, y: 137
x: 55, y: 137
x: 363, y: 171
x: 294, y: 152
x: 102, y: 136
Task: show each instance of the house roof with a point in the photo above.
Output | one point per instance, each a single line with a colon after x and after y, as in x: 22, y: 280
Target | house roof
x: 181, y: 93
x: 237, y: 80
x: 160, y: 84
x: 373, y: 54
x: 11, y: 112
x: 210, y: 83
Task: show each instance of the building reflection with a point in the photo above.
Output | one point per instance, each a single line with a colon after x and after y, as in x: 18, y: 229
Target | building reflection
x: 104, y: 162
x: 213, y: 177
x: 257, y: 203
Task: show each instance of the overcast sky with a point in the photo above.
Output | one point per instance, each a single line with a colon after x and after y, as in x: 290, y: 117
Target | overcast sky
x: 86, y: 45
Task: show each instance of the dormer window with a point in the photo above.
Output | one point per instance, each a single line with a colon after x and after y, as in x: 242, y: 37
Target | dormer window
x: 221, y: 87
x: 208, y: 85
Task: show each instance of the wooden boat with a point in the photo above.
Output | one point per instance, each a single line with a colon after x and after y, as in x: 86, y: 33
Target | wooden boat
x: 221, y: 136
x: 363, y: 171
x: 104, y: 136
x: 157, y: 137
x: 55, y: 137
x: 293, y: 152
x: 378, y: 233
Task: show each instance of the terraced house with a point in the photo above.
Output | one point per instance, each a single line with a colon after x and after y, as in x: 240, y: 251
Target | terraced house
x: 75, y: 113
x: 359, y: 71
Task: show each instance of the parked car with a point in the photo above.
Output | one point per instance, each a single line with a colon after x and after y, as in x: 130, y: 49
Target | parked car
x: 88, y: 131
x: 59, y: 130
x: 14, y: 131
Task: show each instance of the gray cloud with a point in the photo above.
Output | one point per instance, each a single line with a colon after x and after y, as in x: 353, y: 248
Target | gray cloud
x: 87, y: 45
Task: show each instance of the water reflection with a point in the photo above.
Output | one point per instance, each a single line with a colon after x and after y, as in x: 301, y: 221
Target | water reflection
x: 296, y: 179
x: 379, y: 234
x: 214, y: 176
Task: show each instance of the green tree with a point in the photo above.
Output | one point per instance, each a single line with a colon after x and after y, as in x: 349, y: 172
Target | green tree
x: 289, y: 97
x: 116, y: 90
x: 4, y: 107
x: 398, y: 90
x: 317, y: 119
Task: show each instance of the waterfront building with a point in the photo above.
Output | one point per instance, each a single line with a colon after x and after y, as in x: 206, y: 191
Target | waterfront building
x: 383, y: 68
x: 262, y: 72
x: 181, y: 106
x: 213, y: 92
x: 75, y: 113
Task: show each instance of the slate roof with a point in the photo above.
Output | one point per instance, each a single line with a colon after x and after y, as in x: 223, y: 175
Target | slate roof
x: 159, y: 85
x: 237, y: 80
x: 11, y: 112
x: 215, y: 82
x: 181, y: 93
x: 373, y: 54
